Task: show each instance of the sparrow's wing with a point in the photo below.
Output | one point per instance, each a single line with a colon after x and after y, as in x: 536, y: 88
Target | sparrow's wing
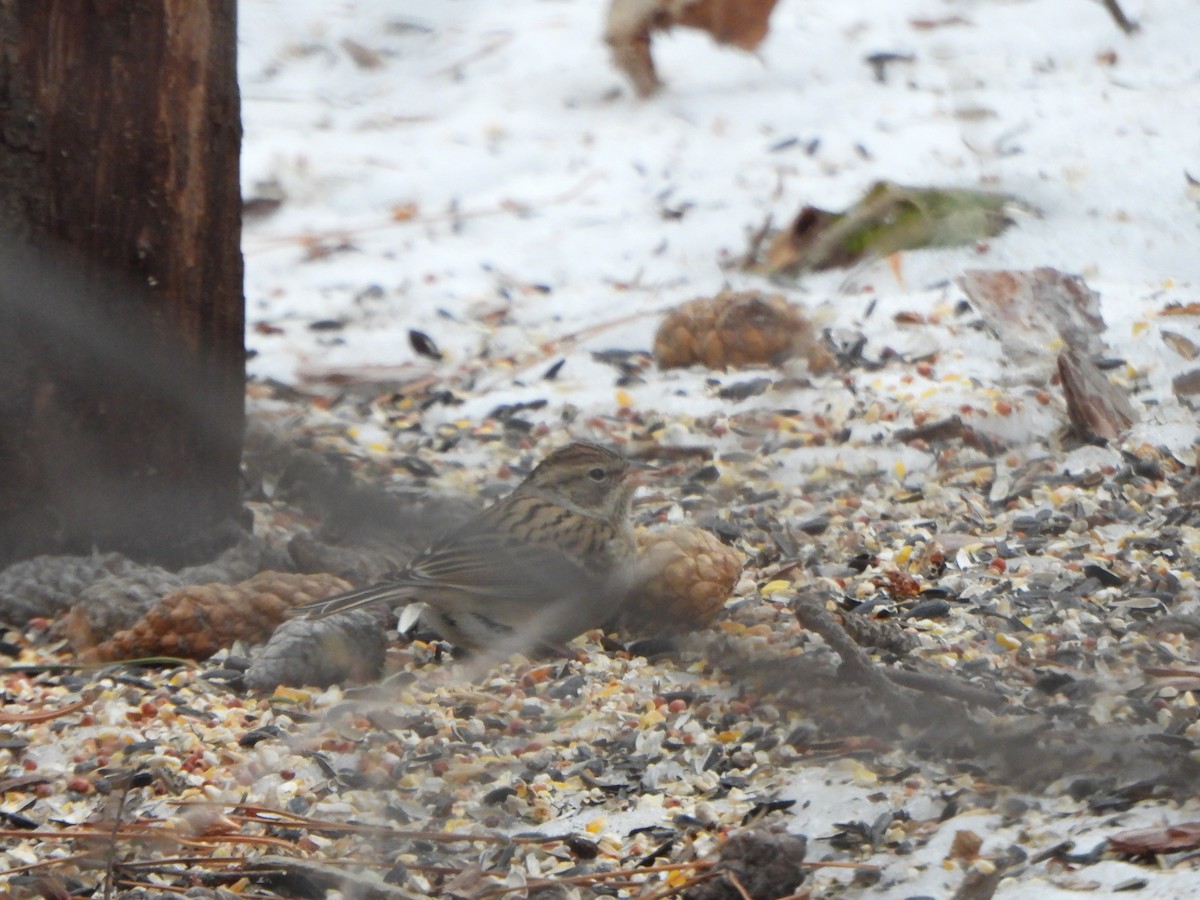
x: 523, y: 550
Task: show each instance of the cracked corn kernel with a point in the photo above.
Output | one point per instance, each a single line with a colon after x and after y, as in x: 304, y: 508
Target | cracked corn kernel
x: 1007, y: 641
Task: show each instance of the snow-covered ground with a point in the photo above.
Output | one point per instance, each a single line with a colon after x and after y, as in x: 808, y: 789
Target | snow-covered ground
x: 446, y: 162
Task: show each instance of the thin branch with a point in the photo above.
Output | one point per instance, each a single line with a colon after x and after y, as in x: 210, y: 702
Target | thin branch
x: 947, y: 686
x: 595, y: 877
x: 737, y: 884
x: 1118, y: 15
x: 44, y: 715
x: 110, y: 863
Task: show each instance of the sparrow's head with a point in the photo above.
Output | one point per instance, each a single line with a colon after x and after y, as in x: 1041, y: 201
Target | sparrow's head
x: 589, y: 478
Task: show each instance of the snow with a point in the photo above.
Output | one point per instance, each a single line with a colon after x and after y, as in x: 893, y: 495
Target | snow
x: 495, y: 161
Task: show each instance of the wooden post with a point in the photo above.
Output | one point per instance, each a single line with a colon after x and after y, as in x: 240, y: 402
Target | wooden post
x: 122, y: 362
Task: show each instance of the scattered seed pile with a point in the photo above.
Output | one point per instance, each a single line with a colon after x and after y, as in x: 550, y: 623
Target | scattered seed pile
x: 1008, y: 635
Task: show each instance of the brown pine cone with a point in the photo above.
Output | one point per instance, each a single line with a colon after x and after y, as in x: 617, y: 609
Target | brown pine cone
x: 113, y: 604
x: 196, y: 621
x: 736, y: 329
x: 685, y: 575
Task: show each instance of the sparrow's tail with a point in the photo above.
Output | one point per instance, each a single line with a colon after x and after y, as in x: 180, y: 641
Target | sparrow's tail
x: 386, y: 592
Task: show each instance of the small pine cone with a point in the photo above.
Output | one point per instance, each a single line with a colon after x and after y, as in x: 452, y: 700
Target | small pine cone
x: 196, y: 621
x: 348, y: 647
x: 736, y: 329
x: 685, y: 575
x: 765, y: 863
x: 114, y: 603
x: 48, y: 585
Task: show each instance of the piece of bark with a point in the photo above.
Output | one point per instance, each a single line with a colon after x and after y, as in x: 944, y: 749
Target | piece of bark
x: 1031, y: 311
x: 632, y: 24
x: 883, y: 634
x: 1098, y: 409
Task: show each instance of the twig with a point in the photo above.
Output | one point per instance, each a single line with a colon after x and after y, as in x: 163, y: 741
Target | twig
x: 506, y: 208
x: 1118, y: 15
x: 187, y: 861
x: 263, y: 815
x: 812, y: 615
x: 48, y: 863
x: 44, y: 715
x: 147, y: 834
x: 947, y: 686
x: 152, y: 886
x: 681, y: 887
x: 594, y: 877
x: 737, y: 884
x: 110, y: 863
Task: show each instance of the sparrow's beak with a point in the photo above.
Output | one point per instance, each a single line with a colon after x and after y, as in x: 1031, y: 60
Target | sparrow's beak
x: 639, y: 474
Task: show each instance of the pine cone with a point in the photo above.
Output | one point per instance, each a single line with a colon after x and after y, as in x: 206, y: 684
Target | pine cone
x: 47, y: 585
x: 766, y: 864
x: 195, y: 622
x: 348, y: 647
x: 685, y: 575
x: 114, y: 603
x: 737, y: 329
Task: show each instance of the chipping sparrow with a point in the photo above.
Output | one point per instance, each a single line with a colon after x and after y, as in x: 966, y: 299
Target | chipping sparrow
x: 544, y: 564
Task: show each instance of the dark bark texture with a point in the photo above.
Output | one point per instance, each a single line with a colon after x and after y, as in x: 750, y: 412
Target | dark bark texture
x: 122, y: 360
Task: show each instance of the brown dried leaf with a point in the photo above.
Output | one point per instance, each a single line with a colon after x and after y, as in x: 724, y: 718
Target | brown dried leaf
x: 631, y: 24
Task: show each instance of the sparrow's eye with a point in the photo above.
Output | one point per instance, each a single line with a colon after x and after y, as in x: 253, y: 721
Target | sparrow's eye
x: 597, y: 474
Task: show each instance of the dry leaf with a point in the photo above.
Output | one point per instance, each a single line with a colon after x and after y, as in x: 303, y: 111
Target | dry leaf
x: 631, y: 24
x: 889, y: 218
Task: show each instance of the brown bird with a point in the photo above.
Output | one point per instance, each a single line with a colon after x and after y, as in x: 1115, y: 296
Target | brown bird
x: 540, y: 566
